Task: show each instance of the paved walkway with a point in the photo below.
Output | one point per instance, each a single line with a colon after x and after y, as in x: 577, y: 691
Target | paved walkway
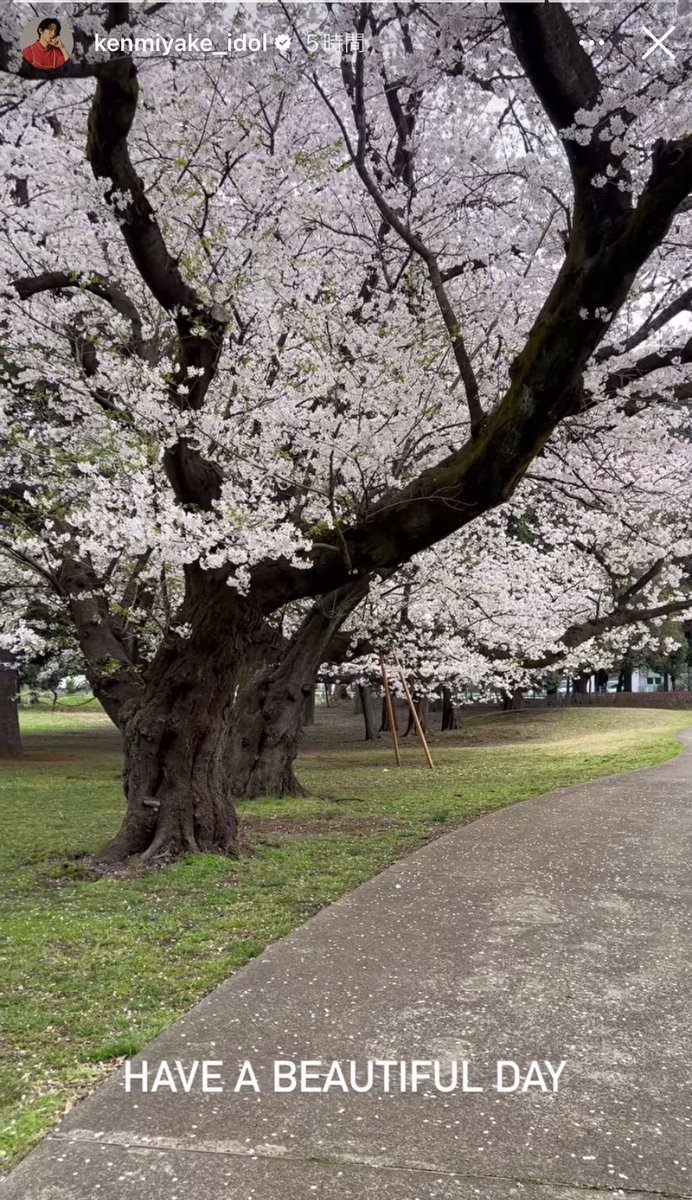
x: 558, y: 929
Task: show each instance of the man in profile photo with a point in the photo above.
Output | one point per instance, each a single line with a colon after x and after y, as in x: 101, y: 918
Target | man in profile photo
x: 47, y: 53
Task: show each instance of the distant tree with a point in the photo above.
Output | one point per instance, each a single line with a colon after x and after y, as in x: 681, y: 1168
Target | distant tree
x: 10, y: 739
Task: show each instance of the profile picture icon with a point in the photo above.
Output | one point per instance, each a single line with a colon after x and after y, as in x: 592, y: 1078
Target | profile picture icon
x: 46, y: 43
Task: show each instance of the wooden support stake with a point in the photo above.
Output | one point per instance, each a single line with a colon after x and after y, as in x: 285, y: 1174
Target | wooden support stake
x: 414, y: 714
x: 390, y: 712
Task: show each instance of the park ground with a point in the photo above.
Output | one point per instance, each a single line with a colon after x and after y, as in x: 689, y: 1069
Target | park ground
x: 94, y: 968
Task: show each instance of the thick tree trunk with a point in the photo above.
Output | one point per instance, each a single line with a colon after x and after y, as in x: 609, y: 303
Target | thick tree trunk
x: 265, y: 736
x: 220, y: 719
x: 449, y: 716
x: 176, y: 739
x: 365, y: 699
x: 10, y: 740
x: 264, y: 739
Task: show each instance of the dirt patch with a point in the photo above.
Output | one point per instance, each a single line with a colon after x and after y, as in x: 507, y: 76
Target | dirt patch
x: 308, y: 826
x: 56, y: 870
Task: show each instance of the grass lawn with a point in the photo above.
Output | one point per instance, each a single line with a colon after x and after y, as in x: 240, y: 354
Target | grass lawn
x: 93, y: 970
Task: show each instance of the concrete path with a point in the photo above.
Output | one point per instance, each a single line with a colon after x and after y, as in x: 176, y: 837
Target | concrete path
x: 558, y: 929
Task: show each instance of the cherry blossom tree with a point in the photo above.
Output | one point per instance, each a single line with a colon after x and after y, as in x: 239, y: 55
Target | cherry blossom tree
x: 537, y: 587
x: 270, y: 331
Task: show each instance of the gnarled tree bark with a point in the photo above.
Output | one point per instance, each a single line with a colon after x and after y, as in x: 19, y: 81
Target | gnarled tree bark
x: 219, y: 718
x: 176, y: 735
x: 264, y: 739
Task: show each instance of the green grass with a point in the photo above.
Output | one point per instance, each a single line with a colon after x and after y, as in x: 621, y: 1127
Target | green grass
x: 95, y: 969
x: 66, y: 702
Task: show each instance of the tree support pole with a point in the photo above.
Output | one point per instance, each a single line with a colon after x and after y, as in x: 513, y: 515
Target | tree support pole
x: 414, y: 714
x: 390, y: 712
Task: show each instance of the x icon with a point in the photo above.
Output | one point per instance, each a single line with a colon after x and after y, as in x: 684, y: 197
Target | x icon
x: 658, y: 42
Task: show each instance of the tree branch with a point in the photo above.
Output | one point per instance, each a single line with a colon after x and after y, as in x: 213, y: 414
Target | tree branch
x: 200, y: 331
x: 646, y: 365
x: 546, y: 384
x: 98, y: 285
x: 683, y: 303
x: 577, y: 634
x: 566, y: 82
x: 405, y: 126
x: 102, y: 637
